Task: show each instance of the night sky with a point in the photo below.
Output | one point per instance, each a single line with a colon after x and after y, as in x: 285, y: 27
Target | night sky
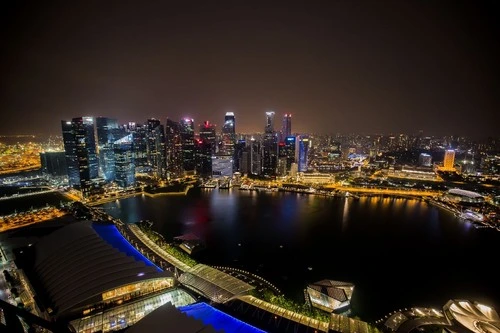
x: 337, y: 66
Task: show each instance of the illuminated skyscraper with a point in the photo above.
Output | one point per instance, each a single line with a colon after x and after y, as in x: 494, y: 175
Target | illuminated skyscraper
x: 173, y: 146
x: 303, y: 151
x: 69, y: 141
x: 449, y: 159
x: 269, y: 147
x: 156, y: 147
x: 187, y: 140
x: 228, y: 134
x: 79, y: 137
x: 107, y: 133
x: 269, y: 122
x: 207, y: 134
x: 124, y: 161
x: 287, y: 126
x: 255, y: 157
x: 290, y: 151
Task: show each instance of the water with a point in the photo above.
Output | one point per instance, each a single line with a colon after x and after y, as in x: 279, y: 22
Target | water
x: 398, y: 252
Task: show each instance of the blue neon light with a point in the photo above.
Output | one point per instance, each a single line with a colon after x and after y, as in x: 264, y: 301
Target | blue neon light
x: 113, y: 237
x: 218, y: 319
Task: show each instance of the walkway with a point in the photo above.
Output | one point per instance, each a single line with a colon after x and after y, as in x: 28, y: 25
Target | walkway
x: 157, y: 249
x: 287, y: 314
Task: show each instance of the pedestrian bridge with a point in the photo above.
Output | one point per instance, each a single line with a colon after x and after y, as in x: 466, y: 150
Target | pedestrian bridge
x: 214, y: 284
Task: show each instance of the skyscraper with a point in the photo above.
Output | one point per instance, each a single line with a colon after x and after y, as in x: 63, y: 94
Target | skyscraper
x: 290, y: 147
x: 187, y: 139
x: 228, y: 134
x: 449, y: 159
x: 173, y: 146
x: 286, y: 130
x: 69, y: 141
x: 255, y: 157
x: 140, y: 146
x: 81, y: 152
x: 207, y: 133
x: 156, y: 147
x: 269, y: 122
x: 124, y: 159
x: 303, y: 151
x: 269, y: 147
x: 107, y: 132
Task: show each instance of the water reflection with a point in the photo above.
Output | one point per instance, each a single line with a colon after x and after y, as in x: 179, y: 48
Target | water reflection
x: 280, y: 235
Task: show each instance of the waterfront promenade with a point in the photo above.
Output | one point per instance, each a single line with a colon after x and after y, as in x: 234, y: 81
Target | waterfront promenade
x: 157, y: 249
x: 341, y: 324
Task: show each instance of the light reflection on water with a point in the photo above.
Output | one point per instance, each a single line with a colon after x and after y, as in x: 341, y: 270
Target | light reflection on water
x: 398, y: 252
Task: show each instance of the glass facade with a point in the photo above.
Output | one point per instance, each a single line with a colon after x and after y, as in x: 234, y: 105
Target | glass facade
x: 123, y: 316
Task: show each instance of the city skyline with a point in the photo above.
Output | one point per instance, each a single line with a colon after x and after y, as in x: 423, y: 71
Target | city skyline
x: 336, y: 67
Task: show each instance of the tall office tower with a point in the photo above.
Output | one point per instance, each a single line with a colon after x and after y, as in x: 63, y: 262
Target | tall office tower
x: 245, y: 162
x: 449, y: 159
x: 239, y: 148
x: 69, y: 141
x: 269, y: 122
x: 124, y: 160
x: 255, y: 157
x: 187, y: 140
x: 140, y: 146
x: 269, y: 147
x: 290, y: 151
x: 281, y: 168
x: 203, y: 158
x: 207, y: 133
x: 53, y: 163
x: 228, y: 134
x: 303, y: 150
x: 424, y: 159
x: 286, y: 129
x: 173, y: 146
x: 107, y: 132
x: 156, y: 147
x: 81, y: 154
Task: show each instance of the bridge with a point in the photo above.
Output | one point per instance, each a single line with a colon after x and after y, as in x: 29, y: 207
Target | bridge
x: 15, y: 196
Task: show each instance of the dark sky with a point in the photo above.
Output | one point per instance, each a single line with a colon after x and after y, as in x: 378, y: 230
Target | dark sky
x: 337, y: 66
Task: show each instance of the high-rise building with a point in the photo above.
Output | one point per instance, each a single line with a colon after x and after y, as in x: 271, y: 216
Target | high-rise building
x: 269, y: 122
x: 290, y: 151
x: 449, y: 159
x: 287, y: 126
x: 69, y: 140
x: 303, y: 151
x: 107, y: 133
x: 156, y: 147
x: 424, y: 159
x: 203, y: 157
x: 187, y: 139
x: 239, y: 148
x: 173, y: 146
x: 228, y: 135
x: 208, y: 134
x: 140, y: 146
x: 79, y: 137
x: 124, y: 159
x: 269, y: 147
x: 255, y: 157
x: 53, y: 163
